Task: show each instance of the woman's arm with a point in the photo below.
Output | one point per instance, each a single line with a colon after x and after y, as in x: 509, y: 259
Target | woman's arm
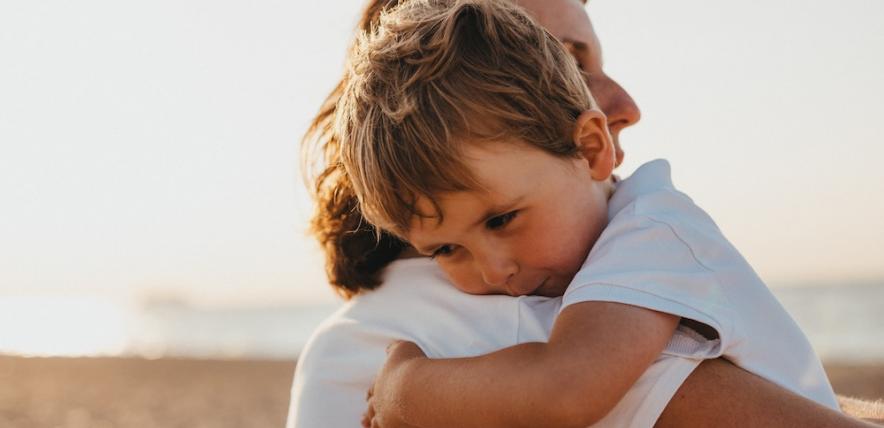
x: 872, y: 411
x: 720, y: 394
x: 596, y: 351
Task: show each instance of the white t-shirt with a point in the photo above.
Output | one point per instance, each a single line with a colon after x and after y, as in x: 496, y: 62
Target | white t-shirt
x: 416, y: 303
x: 660, y: 251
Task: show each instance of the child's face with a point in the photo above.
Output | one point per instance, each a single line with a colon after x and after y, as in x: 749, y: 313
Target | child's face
x: 528, y: 232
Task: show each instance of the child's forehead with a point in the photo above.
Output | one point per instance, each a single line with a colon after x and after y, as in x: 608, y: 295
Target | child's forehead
x: 455, y: 203
x: 502, y: 168
x: 491, y: 167
x: 503, y: 175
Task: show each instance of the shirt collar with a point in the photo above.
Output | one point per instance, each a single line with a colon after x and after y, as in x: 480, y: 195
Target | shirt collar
x: 648, y: 178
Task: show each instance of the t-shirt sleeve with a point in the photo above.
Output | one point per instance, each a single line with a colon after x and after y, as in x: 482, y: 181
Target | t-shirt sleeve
x: 642, y: 261
x: 333, y: 373
x: 648, y: 397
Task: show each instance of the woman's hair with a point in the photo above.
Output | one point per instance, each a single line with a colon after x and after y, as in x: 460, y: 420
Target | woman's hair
x: 433, y: 75
x: 355, y: 255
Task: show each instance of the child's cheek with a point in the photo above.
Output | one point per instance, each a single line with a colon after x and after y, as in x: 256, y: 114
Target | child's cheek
x: 464, y: 277
x: 562, y: 243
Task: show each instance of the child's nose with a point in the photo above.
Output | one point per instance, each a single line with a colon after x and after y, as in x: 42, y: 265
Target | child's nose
x: 497, y: 271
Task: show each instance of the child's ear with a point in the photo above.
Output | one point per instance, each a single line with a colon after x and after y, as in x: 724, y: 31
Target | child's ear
x: 594, y: 143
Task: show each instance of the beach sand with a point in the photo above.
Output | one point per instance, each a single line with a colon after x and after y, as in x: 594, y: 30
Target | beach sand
x: 136, y: 393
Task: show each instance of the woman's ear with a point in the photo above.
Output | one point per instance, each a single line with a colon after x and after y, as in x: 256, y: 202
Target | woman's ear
x: 594, y: 143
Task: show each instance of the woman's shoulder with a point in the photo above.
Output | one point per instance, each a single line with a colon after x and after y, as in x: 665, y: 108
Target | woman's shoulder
x: 415, y: 302
x: 411, y: 290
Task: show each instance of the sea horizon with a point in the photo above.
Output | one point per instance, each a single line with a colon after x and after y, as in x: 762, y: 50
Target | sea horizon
x: 843, y: 322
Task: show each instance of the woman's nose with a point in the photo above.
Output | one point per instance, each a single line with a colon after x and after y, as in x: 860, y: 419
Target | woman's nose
x: 616, y: 103
x: 622, y: 111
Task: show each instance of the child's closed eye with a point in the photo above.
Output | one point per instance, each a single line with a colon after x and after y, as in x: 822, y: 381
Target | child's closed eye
x: 493, y: 223
x: 442, y: 251
x: 498, y: 222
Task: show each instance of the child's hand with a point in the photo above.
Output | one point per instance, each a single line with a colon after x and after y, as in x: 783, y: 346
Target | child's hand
x: 384, y: 397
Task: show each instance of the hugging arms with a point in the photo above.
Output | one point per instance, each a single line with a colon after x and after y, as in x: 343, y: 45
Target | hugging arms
x: 362, y: 327
x: 415, y: 303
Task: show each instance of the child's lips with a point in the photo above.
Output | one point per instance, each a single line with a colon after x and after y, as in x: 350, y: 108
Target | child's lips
x: 523, y: 289
x: 548, y: 288
x: 527, y: 290
x: 540, y: 288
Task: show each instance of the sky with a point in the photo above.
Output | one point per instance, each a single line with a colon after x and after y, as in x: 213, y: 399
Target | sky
x: 151, y: 148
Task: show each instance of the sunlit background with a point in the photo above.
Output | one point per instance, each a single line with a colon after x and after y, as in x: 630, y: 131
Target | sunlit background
x: 151, y: 202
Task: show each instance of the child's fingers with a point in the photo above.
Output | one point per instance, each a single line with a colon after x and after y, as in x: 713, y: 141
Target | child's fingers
x: 368, y: 419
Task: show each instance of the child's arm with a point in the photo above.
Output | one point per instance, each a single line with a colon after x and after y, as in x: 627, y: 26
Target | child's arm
x: 596, y: 351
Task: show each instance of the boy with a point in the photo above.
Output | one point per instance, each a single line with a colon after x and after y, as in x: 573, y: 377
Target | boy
x: 467, y: 131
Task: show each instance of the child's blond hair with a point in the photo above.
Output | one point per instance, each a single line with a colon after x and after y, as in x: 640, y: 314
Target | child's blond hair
x: 435, y: 74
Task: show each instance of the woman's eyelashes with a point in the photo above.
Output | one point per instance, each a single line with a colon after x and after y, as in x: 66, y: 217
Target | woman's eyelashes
x: 576, y: 55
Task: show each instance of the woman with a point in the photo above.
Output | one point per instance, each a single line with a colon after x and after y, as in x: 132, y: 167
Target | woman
x: 415, y: 303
